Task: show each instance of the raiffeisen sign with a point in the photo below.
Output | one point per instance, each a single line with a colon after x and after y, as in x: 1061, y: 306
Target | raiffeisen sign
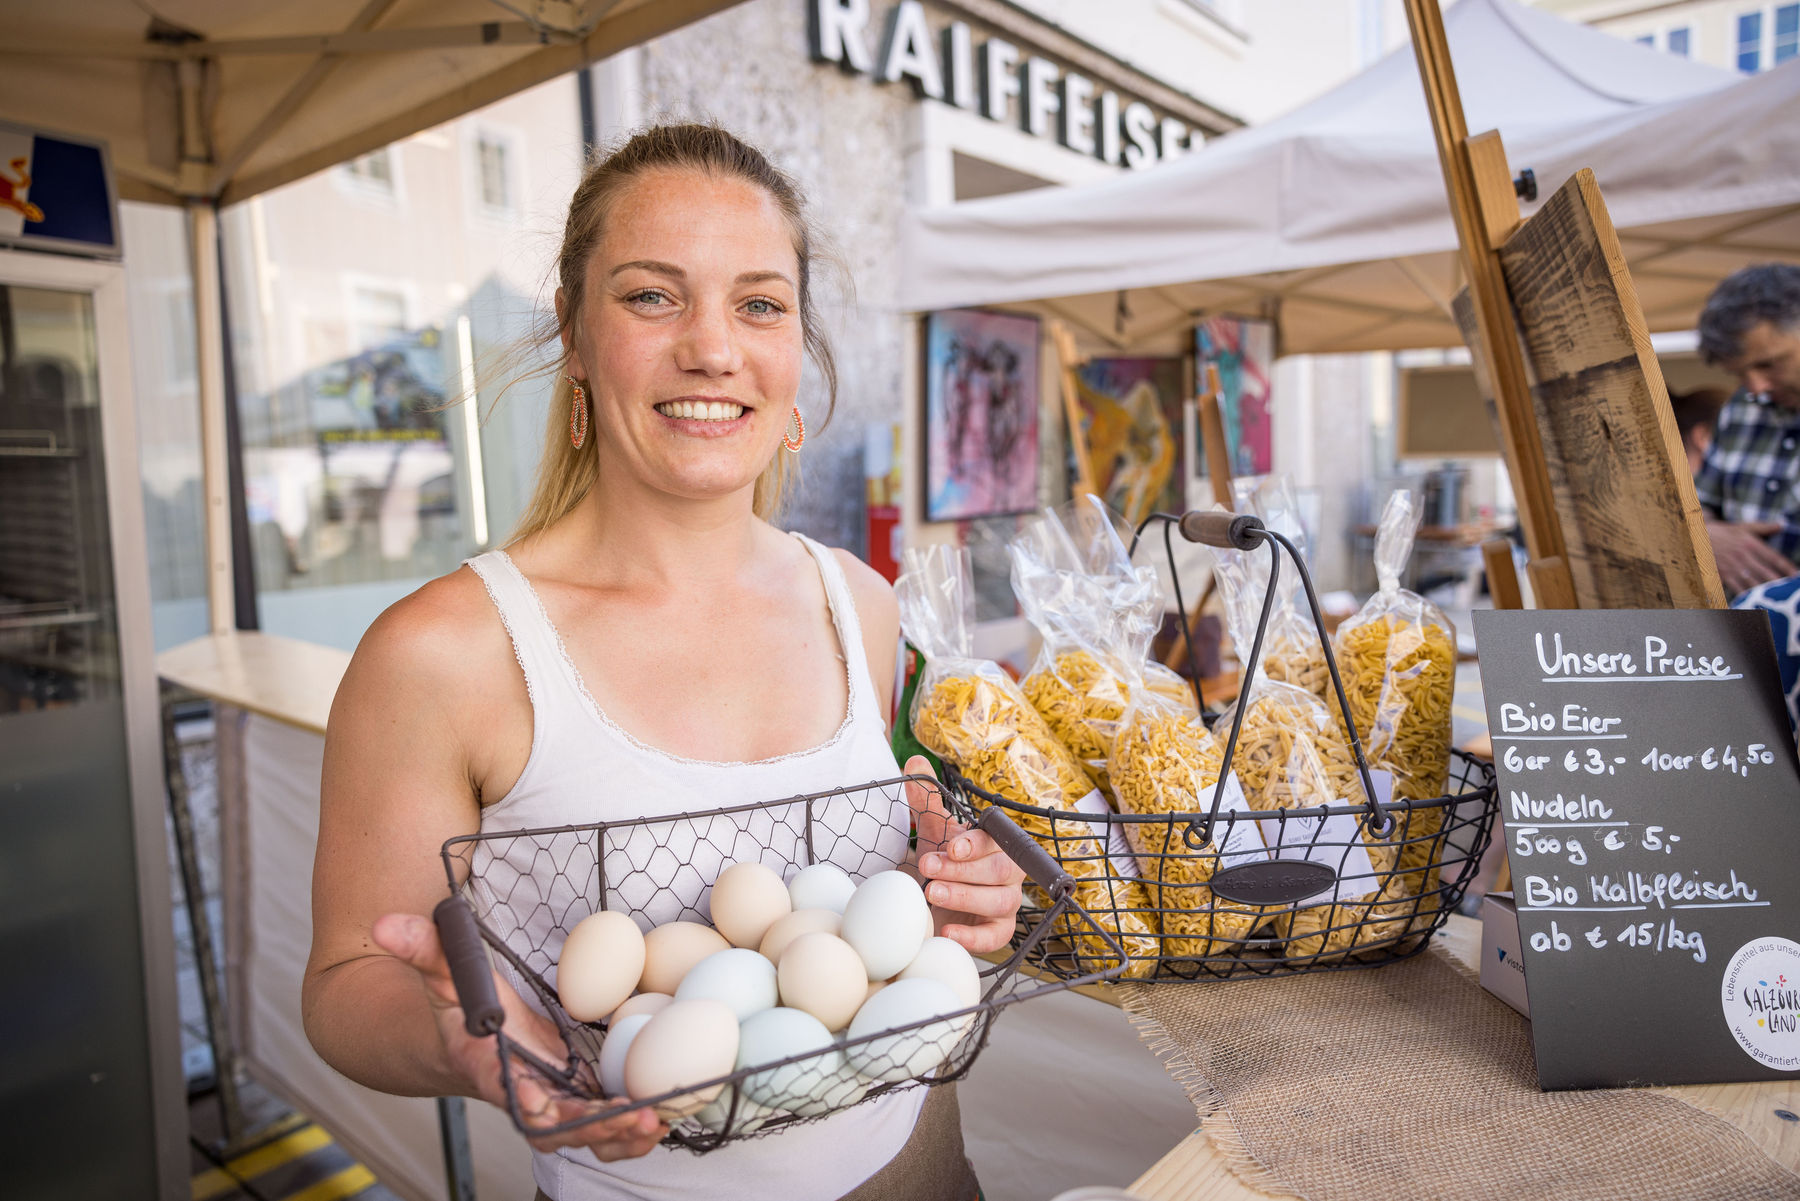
x: 1003, y: 83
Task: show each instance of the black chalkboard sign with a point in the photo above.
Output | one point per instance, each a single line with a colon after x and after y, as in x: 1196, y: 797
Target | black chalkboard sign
x: 1651, y: 807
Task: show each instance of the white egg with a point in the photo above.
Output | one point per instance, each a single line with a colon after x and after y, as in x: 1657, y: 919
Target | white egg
x: 823, y: 975
x: 800, y: 921
x: 821, y: 886
x: 748, y: 898
x: 671, y: 949
x: 808, y: 1087
x: 613, y: 1049
x: 687, y: 1043
x: 945, y: 960
x: 887, y: 920
x: 910, y: 1053
x: 750, y: 1116
x: 740, y: 977
x: 599, y: 965
x: 643, y: 1002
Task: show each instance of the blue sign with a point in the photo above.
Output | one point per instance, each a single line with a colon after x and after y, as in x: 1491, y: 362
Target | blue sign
x: 56, y: 193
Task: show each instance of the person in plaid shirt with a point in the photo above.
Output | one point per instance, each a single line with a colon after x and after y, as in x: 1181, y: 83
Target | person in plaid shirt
x: 1749, y: 482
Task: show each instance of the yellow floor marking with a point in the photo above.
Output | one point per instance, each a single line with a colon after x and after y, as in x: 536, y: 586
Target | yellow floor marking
x: 217, y: 1182
x: 347, y: 1183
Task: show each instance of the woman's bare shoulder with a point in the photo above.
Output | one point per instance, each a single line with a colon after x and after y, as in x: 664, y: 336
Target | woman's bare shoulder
x: 876, y: 606
x: 437, y: 638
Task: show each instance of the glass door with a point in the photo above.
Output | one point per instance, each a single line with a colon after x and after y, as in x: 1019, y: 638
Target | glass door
x: 84, y: 1014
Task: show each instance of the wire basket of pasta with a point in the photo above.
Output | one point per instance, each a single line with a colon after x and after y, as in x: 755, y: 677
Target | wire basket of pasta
x: 739, y: 970
x: 1269, y: 844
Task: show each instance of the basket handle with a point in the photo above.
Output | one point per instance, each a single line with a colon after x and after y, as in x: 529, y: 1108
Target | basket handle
x: 1226, y: 531
x: 1023, y: 850
x: 469, y: 968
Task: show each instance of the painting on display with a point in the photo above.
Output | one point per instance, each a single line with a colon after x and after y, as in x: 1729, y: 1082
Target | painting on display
x: 981, y: 414
x: 1131, y: 413
x: 1243, y: 349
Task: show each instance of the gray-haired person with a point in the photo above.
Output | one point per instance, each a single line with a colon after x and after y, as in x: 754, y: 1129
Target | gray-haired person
x: 1749, y: 482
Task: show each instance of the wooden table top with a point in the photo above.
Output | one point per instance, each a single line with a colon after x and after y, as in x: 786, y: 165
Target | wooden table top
x: 1193, y: 1171
x: 282, y: 678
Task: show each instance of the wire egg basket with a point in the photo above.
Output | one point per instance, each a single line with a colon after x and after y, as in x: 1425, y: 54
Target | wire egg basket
x: 518, y: 893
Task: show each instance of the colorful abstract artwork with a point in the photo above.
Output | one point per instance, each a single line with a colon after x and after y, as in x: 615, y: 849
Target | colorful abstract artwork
x: 1131, y: 414
x: 1243, y: 350
x: 981, y: 414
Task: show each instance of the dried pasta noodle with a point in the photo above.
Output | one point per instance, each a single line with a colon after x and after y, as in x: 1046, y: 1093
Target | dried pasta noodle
x: 1165, y: 762
x: 996, y: 739
x: 1082, y: 700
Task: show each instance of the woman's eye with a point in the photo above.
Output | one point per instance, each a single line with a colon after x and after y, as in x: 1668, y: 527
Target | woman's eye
x: 649, y: 296
x: 762, y: 306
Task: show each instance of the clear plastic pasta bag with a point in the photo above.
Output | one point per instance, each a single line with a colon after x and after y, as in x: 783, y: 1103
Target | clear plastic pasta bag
x: 1292, y: 651
x: 1293, y: 753
x: 1166, y: 762
x: 1397, y: 657
x: 969, y: 712
x: 1096, y: 614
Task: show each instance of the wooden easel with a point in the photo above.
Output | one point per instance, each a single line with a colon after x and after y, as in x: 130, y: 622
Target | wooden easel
x: 1563, y: 356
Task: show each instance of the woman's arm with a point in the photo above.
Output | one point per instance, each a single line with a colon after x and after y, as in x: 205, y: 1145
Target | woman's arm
x: 396, y: 784
x: 401, y: 767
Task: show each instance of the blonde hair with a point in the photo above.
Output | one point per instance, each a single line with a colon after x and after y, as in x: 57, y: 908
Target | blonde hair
x: 564, y: 473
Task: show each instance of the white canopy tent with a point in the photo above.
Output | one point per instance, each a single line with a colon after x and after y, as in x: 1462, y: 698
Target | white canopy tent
x: 1333, y: 219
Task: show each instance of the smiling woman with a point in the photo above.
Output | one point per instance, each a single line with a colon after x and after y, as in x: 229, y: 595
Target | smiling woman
x: 647, y: 645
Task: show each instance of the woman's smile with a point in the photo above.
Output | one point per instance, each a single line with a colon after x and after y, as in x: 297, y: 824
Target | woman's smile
x: 704, y: 417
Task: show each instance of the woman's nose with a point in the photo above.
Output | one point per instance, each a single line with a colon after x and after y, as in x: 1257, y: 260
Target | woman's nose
x: 709, y: 344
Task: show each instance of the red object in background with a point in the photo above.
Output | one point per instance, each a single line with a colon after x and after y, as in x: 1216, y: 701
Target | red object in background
x: 883, y: 540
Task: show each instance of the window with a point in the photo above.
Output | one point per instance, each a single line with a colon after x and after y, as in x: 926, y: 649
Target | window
x: 1646, y: 39
x: 1787, y: 33
x: 377, y: 316
x: 374, y: 170
x: 1749, y: 42
x: 493, y: 174
x: 1678, y: 41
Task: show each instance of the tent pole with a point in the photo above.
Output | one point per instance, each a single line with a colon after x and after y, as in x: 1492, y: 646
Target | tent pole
x: 1479, y: 229
x: 209, y: 336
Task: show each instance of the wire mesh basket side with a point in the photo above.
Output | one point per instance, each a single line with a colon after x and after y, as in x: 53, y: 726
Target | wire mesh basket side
x: 526, y: 889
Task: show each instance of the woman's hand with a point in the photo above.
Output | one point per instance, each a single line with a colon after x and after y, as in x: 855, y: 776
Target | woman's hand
x: 414, y: 941
x: 972, y: 885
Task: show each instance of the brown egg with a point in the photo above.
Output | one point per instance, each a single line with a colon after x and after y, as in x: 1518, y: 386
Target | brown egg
x: 801, y: 921
x: 671, y: 949
x: 747, y: 899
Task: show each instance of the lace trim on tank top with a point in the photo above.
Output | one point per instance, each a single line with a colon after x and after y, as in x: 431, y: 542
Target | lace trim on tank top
x: 838, y: 626
x: 511, y: 636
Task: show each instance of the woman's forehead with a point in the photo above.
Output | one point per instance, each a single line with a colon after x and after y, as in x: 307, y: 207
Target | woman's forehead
x: 700, y: 222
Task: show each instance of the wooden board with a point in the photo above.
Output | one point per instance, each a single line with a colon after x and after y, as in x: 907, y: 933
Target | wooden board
x: 1632, y: 527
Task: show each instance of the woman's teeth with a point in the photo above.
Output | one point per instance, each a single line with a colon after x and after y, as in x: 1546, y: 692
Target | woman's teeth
x: 701, y: 410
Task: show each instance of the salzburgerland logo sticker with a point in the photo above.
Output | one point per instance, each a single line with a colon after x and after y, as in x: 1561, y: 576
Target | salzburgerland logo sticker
x: 1761, y: 998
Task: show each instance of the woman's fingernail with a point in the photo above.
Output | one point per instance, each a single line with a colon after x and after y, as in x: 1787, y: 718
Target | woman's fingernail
x: 940, y: 893
x: 931, y: 864
x: 960, y: 848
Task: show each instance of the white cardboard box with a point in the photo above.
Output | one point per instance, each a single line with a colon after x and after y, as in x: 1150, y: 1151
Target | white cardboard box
x: 1502, y: 971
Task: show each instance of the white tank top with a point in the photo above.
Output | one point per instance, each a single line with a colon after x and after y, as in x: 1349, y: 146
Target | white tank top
x: 584, y: 768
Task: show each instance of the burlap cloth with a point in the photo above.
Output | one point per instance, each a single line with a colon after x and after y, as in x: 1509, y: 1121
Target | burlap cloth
x: 1412, y: 1081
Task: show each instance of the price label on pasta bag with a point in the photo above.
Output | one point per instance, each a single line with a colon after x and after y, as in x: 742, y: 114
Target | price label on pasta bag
x: 1118, y: 848
x: 1648, y: 788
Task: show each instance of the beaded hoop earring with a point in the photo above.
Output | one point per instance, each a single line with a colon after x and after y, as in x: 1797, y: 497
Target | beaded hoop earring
x: 796, y: 441
x: 578, y: 413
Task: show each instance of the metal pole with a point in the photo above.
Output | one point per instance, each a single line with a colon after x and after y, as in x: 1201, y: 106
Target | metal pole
x: 193, y: 888
x: 459, y: 1163
x: 209, y: 337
